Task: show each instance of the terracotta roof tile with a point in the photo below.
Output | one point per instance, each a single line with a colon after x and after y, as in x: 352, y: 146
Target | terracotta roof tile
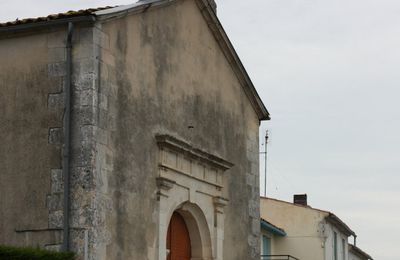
x: 51, y: 17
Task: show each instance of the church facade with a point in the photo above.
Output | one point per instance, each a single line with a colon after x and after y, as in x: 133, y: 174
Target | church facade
x: 129, y: 133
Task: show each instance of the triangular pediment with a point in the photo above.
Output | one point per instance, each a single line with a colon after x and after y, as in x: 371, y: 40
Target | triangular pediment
x: 208, y: 13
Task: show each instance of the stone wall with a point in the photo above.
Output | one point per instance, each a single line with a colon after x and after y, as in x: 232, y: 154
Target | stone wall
x: 32, y: 75
x: 164, y: 73
x: 160, y: 72
x: 32, y: 81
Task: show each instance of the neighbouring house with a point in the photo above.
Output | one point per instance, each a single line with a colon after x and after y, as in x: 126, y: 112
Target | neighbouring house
x: 311, y: 234
x: 356, y: 253
x: 129, y: 132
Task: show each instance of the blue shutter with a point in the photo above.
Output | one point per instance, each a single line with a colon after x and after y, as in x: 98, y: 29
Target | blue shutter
x: 266, y: 245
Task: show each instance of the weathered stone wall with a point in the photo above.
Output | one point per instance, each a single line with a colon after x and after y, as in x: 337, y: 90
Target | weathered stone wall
x: 32, y: 74
x: 32, y: 80
x: 86, y: 219
x: 163, y: 72
x: 158, y: 72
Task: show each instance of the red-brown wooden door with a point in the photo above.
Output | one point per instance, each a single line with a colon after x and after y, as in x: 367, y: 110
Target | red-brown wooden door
x: 178, y: 240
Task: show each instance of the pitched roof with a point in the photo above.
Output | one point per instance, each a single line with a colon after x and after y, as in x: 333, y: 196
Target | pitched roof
x: 357, y: 251
x: 330, y: 217
x: 105, y: 13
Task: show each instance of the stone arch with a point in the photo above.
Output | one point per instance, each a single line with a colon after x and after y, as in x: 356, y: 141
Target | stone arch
x: 190, y: 182
x: 199, y: 232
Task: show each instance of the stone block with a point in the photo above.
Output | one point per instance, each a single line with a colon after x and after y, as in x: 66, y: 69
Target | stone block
x: 83, y: 156
x: 78, y: 243
x: 56, y: 248
x: 83, y: 65
x: 82, y: 216
x: 82, y: 177
x: 56, y: 136
x: 86, y: 115
x: 87, y: 97
x: 87, y: 133
x: 84, y: 81
x: 250, y: 179
x: 57, y: 69
x: 57, y: 184
x: 252, y: 241
x: 55, y: 201
x: 55, y: 101
x: 255, y: 226
x: 56, y: 219
x: 254, y: 209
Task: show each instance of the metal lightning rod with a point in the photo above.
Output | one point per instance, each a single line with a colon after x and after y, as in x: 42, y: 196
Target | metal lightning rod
x: 265, y: 163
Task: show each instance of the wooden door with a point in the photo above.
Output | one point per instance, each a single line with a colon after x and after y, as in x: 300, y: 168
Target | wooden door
x: 178, y: 240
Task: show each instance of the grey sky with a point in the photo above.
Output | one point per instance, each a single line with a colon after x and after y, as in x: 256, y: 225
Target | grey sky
x: 328, y: 72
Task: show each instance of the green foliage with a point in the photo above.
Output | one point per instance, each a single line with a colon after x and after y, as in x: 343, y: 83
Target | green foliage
x: 28, y: 253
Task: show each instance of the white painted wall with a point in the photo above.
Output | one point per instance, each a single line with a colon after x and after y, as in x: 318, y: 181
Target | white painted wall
x: 329, y: 243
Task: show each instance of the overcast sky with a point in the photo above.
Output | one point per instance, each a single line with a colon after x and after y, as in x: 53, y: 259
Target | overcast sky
x: 328, y: 71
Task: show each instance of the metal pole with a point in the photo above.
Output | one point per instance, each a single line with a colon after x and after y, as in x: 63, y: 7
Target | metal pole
x: 265, y: 163
x: 67, y: 135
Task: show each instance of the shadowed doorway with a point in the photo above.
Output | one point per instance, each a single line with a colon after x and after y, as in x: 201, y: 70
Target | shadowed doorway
x: 178, y: 239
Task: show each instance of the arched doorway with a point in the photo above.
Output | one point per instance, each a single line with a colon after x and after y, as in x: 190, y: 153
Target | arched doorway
x: 178, y: 239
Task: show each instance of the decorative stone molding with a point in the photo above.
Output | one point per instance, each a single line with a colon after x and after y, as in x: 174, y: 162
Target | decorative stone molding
x: 219, y: 204
x: 181, y: 157
x: 190, y: 182
x: 164, y: 185
x: 181, y: 146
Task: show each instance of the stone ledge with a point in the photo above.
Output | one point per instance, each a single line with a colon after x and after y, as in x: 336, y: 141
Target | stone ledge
x: 192, y: 152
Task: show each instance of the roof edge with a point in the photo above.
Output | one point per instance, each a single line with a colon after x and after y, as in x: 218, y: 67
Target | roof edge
x: 138, y: 7
x: 88, y: 18
x: 296, y: 205
x: 359, y: 252
x: 233, y: 58
x: 272, y: 228
x: 337, y: 222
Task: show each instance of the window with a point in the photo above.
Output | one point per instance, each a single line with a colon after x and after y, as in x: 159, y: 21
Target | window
x: 266, y: 245
x: 335, y: 246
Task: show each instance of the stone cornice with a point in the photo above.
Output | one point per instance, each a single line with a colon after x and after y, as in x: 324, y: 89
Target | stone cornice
x: 188, y: 150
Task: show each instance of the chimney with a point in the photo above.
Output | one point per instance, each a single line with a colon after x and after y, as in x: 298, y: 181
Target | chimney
x: 300, y: 199
x: 213, y: 5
